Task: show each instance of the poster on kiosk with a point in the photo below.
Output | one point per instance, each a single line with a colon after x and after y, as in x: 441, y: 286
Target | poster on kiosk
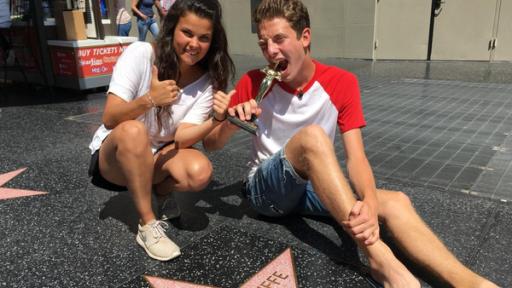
x: 84, y: 64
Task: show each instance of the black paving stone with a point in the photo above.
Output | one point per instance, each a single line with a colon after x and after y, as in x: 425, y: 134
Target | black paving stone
x: 379, y: 158
x: 407, y: 169
x: 390, y: 165
x: 444, y: 155
x: 482, y: 158
x: 427, y: 153
x: 429, y: 169
x: 467, y: 177
x: 445, y: 176
x: 462, y: 158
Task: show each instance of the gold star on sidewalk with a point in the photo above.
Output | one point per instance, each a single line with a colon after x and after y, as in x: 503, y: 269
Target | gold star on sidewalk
x: 279, y: 273
x: 7, y: 193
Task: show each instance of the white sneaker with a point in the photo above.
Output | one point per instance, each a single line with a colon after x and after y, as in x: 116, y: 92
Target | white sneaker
x: 168, y: 207
x: 153, y: 239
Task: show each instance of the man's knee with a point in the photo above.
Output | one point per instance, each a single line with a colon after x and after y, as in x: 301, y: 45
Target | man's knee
x: 313, y: 138
x: 394, y: 206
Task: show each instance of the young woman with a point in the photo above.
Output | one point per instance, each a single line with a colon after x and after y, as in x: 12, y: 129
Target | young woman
x: 143, y: 10
x: 123, y: 19
x: 160, y: 102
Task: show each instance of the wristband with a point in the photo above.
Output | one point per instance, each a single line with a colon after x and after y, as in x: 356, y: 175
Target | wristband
x: 215, y: 119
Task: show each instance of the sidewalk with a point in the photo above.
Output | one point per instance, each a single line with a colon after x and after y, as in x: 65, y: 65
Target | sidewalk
x: 441, y: 132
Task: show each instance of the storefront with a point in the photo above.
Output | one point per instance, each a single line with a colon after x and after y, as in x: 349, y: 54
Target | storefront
x: 61, y: 43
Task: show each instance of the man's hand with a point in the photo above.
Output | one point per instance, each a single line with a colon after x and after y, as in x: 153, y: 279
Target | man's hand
x: 245, y: 110
x: 162, y: 93
x: 363, y: 223
x: 220, y: 104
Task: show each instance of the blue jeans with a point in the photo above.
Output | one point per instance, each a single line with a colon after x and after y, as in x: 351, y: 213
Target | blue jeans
x: 149, y: 24
x: 276, y: 190
x: 124, y: 29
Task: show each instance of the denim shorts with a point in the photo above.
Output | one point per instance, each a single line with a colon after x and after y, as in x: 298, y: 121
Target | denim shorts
x: 276, y: 190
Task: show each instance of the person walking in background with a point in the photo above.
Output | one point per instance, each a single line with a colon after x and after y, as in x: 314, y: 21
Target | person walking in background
x: 123, y: 18
x: 5, y: 24
x: 143, y: 10
x: 5, y: 14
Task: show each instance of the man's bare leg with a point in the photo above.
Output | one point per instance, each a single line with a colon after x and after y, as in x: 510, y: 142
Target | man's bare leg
x: 311, y: 153
x: 419, y: 243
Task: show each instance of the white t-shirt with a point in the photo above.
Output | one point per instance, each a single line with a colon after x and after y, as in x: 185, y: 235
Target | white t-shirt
x: 331, y: 98
x: 132, y: 78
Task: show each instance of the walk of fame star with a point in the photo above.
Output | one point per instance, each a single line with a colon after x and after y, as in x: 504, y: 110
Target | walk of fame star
x: 279, y: 273
x: 7, y: 193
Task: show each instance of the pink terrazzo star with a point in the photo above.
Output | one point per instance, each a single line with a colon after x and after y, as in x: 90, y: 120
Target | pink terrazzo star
x: 157, y: 282
x: 279, y: 273
x: 7, y: 193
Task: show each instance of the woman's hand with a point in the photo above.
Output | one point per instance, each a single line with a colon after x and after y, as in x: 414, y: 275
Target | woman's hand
x: 162, y: 93
x: 220, y: 104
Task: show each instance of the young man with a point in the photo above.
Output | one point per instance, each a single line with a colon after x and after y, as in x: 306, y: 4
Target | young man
x: 293, y: 162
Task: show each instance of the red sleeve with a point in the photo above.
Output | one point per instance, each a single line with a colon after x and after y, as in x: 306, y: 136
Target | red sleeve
x: 350, y: 111
x: 247, y: 87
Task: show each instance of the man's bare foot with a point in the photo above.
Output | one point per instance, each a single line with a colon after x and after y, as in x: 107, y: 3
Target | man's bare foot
x: 387, y: 270
x: 486, y: 284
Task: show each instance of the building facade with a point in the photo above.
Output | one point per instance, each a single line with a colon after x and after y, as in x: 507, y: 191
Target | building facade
x: 392, y: 29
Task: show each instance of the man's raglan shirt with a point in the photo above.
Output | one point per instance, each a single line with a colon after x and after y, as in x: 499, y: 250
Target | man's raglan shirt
x: 330, y: 99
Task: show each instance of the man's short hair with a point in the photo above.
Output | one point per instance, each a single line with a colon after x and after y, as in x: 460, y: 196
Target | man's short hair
x: 294, y: 11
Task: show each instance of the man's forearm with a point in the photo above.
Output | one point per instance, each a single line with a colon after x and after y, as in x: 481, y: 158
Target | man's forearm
x: 361, y: 177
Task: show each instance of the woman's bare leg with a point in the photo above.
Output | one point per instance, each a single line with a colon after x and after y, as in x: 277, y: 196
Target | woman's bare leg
x: 126, y: 159
x: 181, y: 170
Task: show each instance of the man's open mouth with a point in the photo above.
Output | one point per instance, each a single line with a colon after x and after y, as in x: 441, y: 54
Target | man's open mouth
x: 281, y: 66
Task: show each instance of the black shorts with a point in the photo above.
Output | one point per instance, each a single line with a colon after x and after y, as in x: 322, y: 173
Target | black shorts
x: 97, y: 179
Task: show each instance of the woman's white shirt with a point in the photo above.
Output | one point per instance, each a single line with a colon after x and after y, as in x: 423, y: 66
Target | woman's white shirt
x: 132, y: 79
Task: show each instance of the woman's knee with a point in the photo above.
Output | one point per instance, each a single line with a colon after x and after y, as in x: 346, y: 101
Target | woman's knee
x: 132, y: 136
x: 199, y: 174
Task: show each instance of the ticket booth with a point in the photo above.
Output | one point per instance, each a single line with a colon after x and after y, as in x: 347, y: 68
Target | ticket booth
x: 62, y: 43
x: 85, y: 64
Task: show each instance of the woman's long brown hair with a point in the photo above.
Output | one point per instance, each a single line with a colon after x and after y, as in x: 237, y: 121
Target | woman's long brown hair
x: 216, y: 62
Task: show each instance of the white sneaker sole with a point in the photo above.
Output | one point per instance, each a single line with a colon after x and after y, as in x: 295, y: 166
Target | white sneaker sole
x: 173, y: 255
x: 170, y: 216
x: 169, y: 213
